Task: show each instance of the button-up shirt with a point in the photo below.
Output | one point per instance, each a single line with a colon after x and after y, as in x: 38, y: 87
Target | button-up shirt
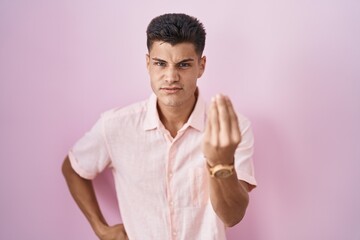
x: 162, y: 183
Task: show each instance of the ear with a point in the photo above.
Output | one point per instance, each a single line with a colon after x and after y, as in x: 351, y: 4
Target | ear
x: 202, y: 66
x: 147, y: 61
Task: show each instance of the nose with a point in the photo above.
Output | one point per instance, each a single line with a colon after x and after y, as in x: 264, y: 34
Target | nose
x: 172, y: 74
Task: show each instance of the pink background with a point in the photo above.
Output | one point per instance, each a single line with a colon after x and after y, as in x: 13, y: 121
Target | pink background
x: 291, y: 66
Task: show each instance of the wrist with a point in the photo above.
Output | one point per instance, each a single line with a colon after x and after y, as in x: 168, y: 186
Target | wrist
x: 221, y: 171
x: 212, y: 162
x: 100, y: 229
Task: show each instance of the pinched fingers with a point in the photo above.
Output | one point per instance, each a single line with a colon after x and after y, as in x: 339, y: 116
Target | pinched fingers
x: 224, y: 120
x: 214, y: 123
x: 235, y: 130
x: 222, y: 134
x: 222, y: 126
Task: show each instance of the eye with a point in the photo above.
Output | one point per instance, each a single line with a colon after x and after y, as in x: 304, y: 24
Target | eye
x: 159, y: 63
x: 184, y: 65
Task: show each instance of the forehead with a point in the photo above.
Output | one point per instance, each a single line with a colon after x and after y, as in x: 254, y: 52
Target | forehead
x: 173, y: 53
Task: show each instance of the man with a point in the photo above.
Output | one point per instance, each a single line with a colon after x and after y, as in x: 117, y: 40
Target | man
x: 181, y: 172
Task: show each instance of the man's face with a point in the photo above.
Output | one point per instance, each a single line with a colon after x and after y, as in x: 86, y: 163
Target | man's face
x: 174, y: 71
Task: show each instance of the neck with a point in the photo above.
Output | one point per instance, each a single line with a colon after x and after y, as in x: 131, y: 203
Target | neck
x: 174, y: 118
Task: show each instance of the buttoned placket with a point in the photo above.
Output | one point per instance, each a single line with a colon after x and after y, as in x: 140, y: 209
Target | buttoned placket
x: 172, y: 150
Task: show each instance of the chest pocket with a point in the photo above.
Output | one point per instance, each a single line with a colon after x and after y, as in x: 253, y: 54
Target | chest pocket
x: 193, y: 191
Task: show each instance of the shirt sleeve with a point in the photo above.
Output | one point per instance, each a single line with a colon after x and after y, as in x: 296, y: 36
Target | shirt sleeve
x: 89, y: 156
x: 244, y: 153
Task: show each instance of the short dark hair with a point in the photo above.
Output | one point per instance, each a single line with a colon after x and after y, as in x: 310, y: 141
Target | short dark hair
x: 176, y: 28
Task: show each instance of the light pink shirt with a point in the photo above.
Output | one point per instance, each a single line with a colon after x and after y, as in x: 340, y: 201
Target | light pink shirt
x: 161, y: 182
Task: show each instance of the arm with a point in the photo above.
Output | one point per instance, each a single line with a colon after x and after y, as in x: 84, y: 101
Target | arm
x: 229, y: 196
x: 83, y: 193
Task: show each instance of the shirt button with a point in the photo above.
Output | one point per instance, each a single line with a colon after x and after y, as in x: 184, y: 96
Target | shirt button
x: 174, y: 233
x: 170, y: 175
x: 171, y: 203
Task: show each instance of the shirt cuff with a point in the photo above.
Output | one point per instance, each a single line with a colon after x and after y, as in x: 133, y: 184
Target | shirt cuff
x: 247, y: 178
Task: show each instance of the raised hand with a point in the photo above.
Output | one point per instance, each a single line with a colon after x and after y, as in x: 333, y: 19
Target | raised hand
x: 222, y: 132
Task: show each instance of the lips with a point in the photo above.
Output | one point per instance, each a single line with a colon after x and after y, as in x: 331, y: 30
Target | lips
x: 171, y: 90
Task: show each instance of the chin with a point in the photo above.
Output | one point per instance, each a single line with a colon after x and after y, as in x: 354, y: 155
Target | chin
x: 171, y: 103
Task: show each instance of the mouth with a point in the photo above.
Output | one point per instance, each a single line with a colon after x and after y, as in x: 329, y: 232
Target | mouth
x: 171, y: 90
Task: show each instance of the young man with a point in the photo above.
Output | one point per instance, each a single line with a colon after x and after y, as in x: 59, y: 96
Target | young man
x: 181, y: 170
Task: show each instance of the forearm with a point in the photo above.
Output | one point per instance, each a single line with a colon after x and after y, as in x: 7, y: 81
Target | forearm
x: 84, y: 195
x: 229, y: 198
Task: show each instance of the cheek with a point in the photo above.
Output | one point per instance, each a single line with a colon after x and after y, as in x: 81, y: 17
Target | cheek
x: 154, y: 73
x: 153, y: 85
x: 191, y: 78
x: 155, y: 79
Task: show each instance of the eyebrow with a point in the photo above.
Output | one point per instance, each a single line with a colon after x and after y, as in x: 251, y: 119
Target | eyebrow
x: 182, y: 61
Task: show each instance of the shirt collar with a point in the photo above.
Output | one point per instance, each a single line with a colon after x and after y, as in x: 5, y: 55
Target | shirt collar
x: 152, y: 117
x: 196, y: 119
x: 198, y: 115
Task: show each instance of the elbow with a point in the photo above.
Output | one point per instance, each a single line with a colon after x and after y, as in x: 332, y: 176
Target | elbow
x: 66, y: 167
x: 237, y: 216
x: 230, y: 225
x: 234, y: 221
